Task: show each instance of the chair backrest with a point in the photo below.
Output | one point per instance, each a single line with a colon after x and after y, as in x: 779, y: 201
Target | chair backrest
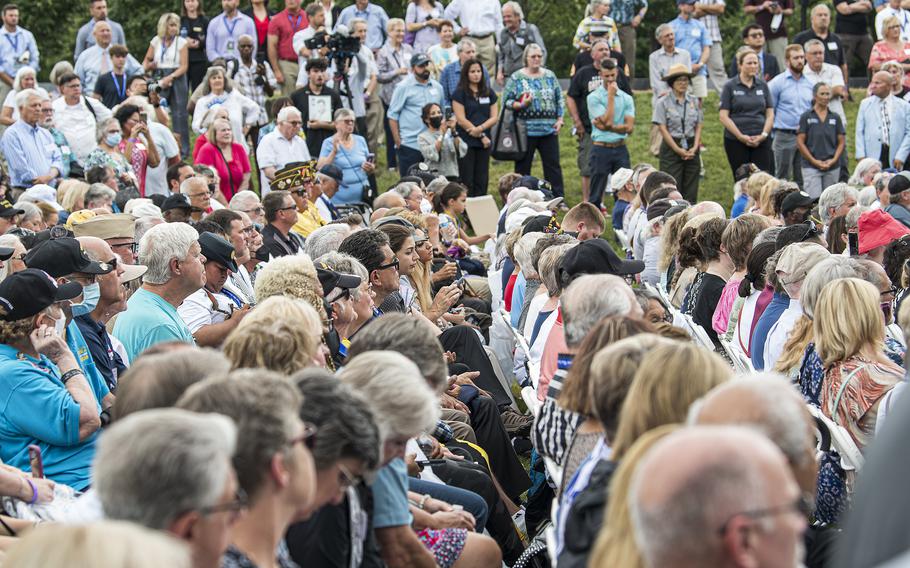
x: 851, y: 457
x: 623, y: 239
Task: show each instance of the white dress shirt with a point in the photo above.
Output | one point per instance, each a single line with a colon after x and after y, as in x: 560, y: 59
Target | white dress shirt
x: 276, y: 151
x: 833, y: 77
x: 481, y: 17
x: 78, y: 125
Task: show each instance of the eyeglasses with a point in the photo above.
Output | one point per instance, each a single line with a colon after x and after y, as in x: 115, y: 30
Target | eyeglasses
x: 801, y: 505
x: 892, y: 291
x: 288, y: 208
x: 393, y: 264
x: 347, y: 120
x: 240, y: 502
x: 308, y: 437
x: 208, y: 193
x: 760, y: 34
x: 134, y: 247
x: 259, y: 210
x: 294, y: 122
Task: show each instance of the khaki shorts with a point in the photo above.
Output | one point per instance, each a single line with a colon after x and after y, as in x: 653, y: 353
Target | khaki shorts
x: 699, y: 86
x: 584, y: 155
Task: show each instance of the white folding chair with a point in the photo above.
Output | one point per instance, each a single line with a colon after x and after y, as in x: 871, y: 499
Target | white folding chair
x: 851, y: 459
x: 623, y: 239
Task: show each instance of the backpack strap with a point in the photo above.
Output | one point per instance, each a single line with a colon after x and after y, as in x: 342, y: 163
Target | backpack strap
x: 843, y: 387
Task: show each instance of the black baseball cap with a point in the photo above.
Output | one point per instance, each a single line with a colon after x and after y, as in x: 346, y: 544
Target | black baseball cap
x: 25, y: 293
x: 176, y: 201
x: 595, y: 256
x: 660, y: 207
x: 7, y: 209
x: 332, y: 171
x: 795, y: 200
x: 419, y: 59
x: 535, y: 183
x: 899, y: 183
x: 6, y: 253
x: 217, y: 249
x: 329, y: 279
x: 62, y: 257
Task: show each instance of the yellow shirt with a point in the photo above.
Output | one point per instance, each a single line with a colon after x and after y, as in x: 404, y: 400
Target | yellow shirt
x: 308, y: 221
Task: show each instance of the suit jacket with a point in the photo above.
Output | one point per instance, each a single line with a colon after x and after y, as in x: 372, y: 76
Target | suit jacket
x: 770, y: 70
x: 275, y: 245
x: 869, y: 130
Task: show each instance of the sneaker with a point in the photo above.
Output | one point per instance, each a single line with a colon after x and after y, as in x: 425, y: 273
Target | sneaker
x: 517, y: 425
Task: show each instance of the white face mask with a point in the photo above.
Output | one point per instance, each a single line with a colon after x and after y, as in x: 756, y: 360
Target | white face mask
x: 60, y: 325
x: 425, y: 206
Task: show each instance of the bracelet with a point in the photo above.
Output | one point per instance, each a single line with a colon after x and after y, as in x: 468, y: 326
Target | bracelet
x: 423, y: 501
x: 34, y: 491
x: 69, y: 375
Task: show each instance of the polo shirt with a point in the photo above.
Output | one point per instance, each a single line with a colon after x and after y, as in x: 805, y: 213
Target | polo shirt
x: 276, y: 151
x: 769, y: 317
x: 35, y: 408
x: 283, y: 26
x: 747, y: 105
x: 623, y: 106
x: 149, y: 320
x: 692, y: 36
x: 79, y: 348
x: 390, y: 496
x: 407, y: 105
x: 477, y: 111
x: 834, y: 49
x: 821, y: 135
x: 308, y: 220
x: 108, y: 361
x: 584, y: 82
x: 791, y: 97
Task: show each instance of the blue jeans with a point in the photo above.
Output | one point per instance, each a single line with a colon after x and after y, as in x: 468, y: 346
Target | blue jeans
x: 605, y: 161
x: 407, y: 157
x: 472, y: 502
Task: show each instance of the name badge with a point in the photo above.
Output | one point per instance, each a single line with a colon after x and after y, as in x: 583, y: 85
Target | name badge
x: 696, y: 33
x: 198, y: 30
x: 520, y: 40
x: 812, y: 121
x: 832, y: 122
x: 760, y: 92
x: 738, y: 93
x: 229, y: 46
x: 484, y: 100
x: 832, y: 45
x: 64, y: 149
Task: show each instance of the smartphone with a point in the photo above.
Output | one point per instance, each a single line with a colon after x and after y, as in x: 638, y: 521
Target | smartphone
x: 853, y: 243
x: 371, y: 157
x: 144, y: 117
x: 429, y: 463
x: 35, y: 460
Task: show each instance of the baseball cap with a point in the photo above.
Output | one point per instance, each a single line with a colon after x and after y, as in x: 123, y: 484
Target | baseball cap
x: 7, y: 209
x: 795, y: 200
x: 41, y: 193
x: 329, y: 279
x: 62, y: 257
x: 532, y: 182
x: 620, y: 178
x: 332, y: 171
x: 116, y: 226
x: 132, y: 272
x: 217, y: 249
x: 660, y: 207
x: 29, y: 291
x: 899, y: 183
x: 877, y: 229
x: 678, y: 2
x: 419, y: 59
x: 595, y: 256
x: 176, y: 201
x: 797, y: 259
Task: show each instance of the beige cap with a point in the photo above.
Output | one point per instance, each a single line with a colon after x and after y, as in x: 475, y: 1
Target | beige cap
x: 132, y: 272
x: 115, y: 226
x: 798, y: 259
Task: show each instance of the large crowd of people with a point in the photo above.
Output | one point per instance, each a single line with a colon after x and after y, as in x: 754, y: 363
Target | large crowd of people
x: 222, y: 345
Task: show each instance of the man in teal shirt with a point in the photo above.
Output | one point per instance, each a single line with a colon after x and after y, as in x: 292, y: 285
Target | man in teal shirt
x: 612, y: 114
x: 175, y: 270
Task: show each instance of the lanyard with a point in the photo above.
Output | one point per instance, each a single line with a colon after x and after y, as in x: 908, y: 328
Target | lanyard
x: 685, y: 109
x: 13, y: 40
x: 295, y: 25
x: 230, y: 29
x: 165, y: 46
x: 121, y: 88
x: 232, y: 297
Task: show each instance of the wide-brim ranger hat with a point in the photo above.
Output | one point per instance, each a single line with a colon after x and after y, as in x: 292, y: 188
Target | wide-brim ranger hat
x: 675, y: 72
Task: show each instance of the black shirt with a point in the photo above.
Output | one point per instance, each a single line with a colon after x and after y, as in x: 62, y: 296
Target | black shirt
x: 108, y: 361
x: 301, y: 99
x: 275, y: 245
x: 111, y: 89
x: 706, y: 302
x: 821, y: 135
x: 477, y: 111
x: 747, y: 105
x: 584, y: 59
x: 851, y: 24
x: 585, y: 81
x: 195, y: 28
x: 834, y: 48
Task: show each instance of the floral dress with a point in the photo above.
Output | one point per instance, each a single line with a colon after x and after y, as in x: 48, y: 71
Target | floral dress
x: 98, y: 158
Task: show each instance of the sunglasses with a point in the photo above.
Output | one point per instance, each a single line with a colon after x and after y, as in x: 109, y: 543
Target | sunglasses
x: 393, y: 264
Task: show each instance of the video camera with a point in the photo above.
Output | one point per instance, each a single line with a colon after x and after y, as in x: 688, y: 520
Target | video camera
x: 340, y: 46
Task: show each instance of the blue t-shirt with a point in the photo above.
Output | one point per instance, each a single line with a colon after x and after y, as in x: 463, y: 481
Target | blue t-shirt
x: 35, y: 408
x: 739, y: 206
x: 390, y: 496
x: 147, y: 321
x: 351, y: 164
x: 772, y: 313
x: 518, y: 299
x: 79, y: 348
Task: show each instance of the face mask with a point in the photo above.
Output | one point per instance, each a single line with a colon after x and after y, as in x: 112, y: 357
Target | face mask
x: 425, y: 206
x: 90, y: 296
x: 113, y: 139
x: 435, y: 121
x: 60, y: 326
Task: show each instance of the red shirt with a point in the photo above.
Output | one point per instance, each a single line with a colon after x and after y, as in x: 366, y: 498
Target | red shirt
x: 231, y: 173
x: 262, y: 30
x: 284, y: 26
x: 510, y: 287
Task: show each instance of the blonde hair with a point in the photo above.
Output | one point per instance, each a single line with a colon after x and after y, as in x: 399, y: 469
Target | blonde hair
x: 889, y: 21
x: 670, y: 378
x: 282, y: 334
x: 766, y: 199
x: 738, y: 236
x: 755, y: 183
x: 292, y: 276
x: 71, y: 194
x: 105, y: 543
x: 795, y: 347
x: 847, y: 320
x: 615, y: 544
x: 669, y: 238
x: 163, y: 22
x: 213, y: 127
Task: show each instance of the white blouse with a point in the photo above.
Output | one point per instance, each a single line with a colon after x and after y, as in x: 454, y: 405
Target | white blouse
x: 168, y: 57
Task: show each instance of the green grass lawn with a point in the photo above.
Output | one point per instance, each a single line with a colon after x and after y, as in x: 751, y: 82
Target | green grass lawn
x: 717, y: 184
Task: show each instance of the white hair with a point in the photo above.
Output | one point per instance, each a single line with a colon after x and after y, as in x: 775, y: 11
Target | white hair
x: 285, y: 113
x: 827, y: 270
x: 156, y: 464
x: 186, y: 185
x: 242, y: 200
x: 10, y: 241
x: 161, y: 244
x: 464, y: 44
x: 402, y: 401
x: 98, y: 192
x: 30, y: 211
x: 22, y: 73
x: 860, y: 170
x: 867, y: 195
x: 833, y: 197
x: 661, y: 29
x: 515, y: 7
x: 589, y: 299
x: 144, y: 223
x: 406, y: 188
x: 23, y: 96
x: 522, y: 252
x: 344, y: 263
x: 326, y: 239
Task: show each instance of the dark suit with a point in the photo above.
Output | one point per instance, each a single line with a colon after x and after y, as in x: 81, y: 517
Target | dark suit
x: 769, y: 66
x: 275, y: 245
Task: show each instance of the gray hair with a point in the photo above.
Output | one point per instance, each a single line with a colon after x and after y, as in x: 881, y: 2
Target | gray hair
x: 285, y: 114
x: 813, y: 43
x: 406, y: 188
x: 30, y: 210
x: 242, y: 200
x: 515, y: 7
x: 98, y: 192
x: 851, y: 219
x: 589, y: 299
x: 23, y: 96
x: 186, y: 185
x: 860, y: 170
x: 547, y: 267
x: 160, y: 245
x: 343, y: 113
x: 769, y: 235
x: 263, y: 404
x: 661, y: 29
x: 400, y: 398
x: 326, y: 239
x: 156, y: 464
x: 867, y: 195
x: 410, y: 337
x: 527, y: 51
x: 438, y: 184
x: 394, y: 22
x: 102, y: 126
x: 522, y: 251
x: 833, y: 197
x: 347, y: 427
x: 344, y: 263
x: 464, y: 44
x: 828, y: 270
x: 144, y: 223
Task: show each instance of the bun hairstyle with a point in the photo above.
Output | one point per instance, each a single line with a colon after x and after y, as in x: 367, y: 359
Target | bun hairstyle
x: 755, y: 269
x: 700, y: 245
x: 449, y: 192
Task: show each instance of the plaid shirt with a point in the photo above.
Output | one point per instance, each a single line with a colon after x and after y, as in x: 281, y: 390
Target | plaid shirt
x: 245, y: 80
x: 710, y: 21
x: 622, y: 11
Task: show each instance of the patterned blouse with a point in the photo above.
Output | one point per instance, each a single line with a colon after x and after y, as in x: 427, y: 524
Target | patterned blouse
x: 547, y: 105
x: 234, y: 558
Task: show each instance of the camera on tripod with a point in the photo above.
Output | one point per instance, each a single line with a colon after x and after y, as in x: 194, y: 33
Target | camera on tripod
x: 340, y: 46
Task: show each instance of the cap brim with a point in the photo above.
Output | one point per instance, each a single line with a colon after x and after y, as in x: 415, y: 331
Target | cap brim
x: 627, y: 267
x: 68, y: 291
x: 132, y: 272
x: 12, y: 213
x: 6, y: 253
x: 347, y: 281
x: 97, y: 268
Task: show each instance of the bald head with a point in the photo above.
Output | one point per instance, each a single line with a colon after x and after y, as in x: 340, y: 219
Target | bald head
x: 708, y: 207
x: 770, y: 403
x: 880, y: 86
x: 102, y: 33
x: 96, y: 249
x: 692, y: 490
x: 389, y: 200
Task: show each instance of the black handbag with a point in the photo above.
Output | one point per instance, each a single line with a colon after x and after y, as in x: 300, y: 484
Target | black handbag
x: 510, y: 137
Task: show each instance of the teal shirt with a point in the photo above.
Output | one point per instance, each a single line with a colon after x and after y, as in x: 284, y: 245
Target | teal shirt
x: 390, y: 496
x: 35, y: 408
x: 79, y: 348
x: 623, y: 106
x: 149, y: 320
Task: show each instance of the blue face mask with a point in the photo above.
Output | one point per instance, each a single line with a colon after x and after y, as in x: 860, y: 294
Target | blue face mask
x: 113, y: 139
x: 90, y: 296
